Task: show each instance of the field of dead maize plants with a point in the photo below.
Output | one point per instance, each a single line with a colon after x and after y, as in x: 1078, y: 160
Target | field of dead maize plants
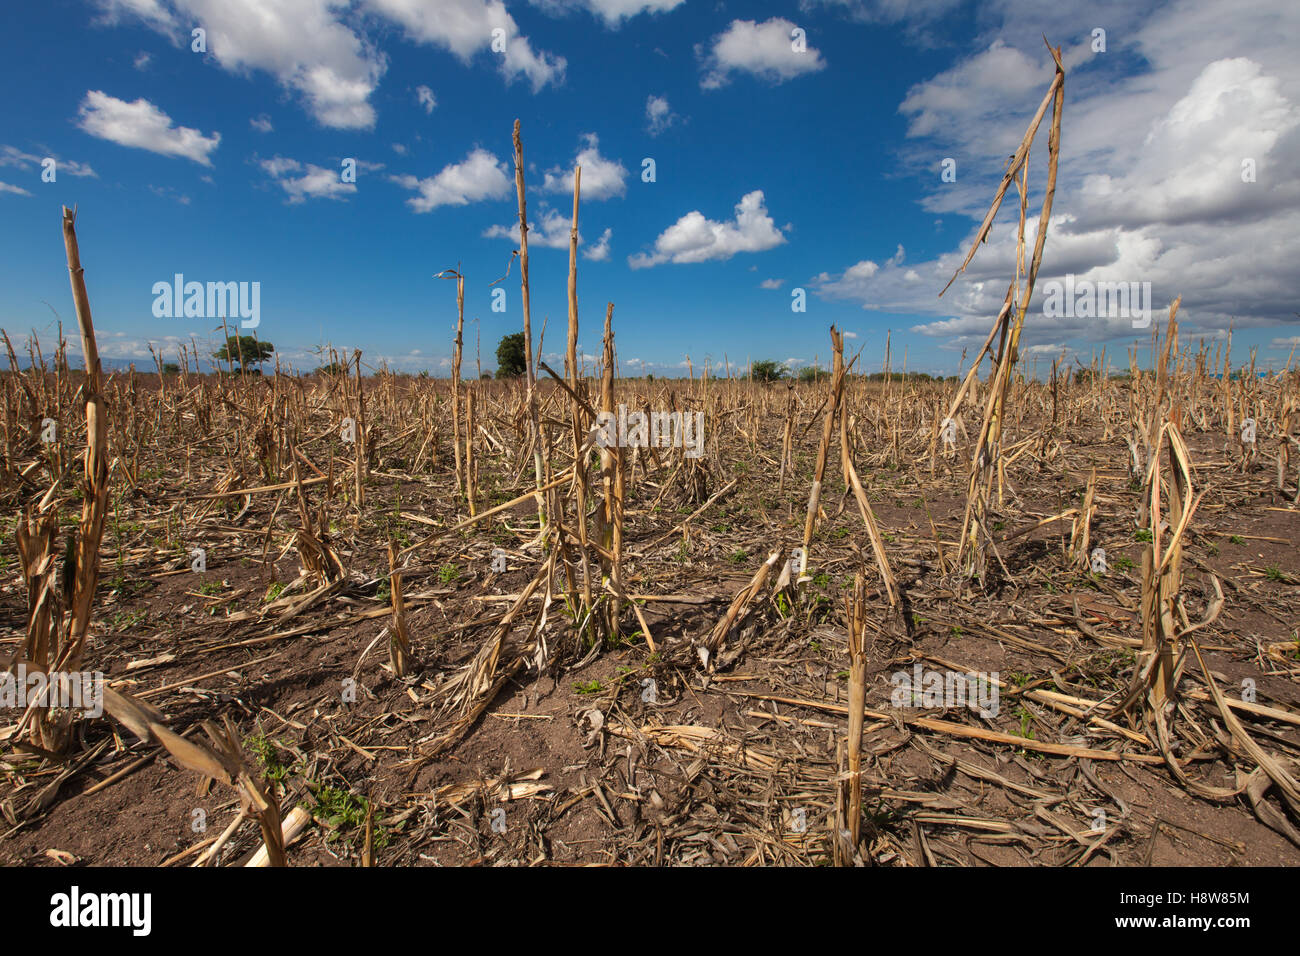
x: 1035, y: 615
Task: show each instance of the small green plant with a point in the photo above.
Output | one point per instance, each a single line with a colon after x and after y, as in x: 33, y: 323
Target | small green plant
x: 1026, y: 731
x: 342, y: 810
x: 738, y: 556
x: 125, y: 620
x: 1236, y: 539
x: 267, y: 754
x: 210, y: 588
x: 1274, y: 574
x: 273, y: 592
x: 782, y: 605
x: 1142, y: 534
x: 588, y: 687
x: 448, y: 573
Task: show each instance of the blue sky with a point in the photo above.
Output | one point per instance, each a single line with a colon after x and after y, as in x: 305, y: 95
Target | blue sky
x: 779, y: 165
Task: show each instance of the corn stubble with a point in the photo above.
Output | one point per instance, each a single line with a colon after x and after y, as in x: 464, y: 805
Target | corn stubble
x: 517, y: 477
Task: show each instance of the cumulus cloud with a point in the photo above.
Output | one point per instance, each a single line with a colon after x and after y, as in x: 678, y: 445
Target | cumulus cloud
x: 424, y: 96
x: 141, y: 125
x: 467, y: 27
x: 693, y: 238
x: 16, y: 190
x: 261, y: 123
x: 1154, y: 182
x: 766, y: 50
x: 479, y: 176
x: 601, y: 178
x: 613, y: 12
x: 771, y: 283
x: 304, y: 44
x: 303, y: 181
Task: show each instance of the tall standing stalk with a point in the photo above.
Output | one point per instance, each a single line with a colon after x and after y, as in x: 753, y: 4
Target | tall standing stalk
x: 455, y: 372
x: 611, y: 466
x: 579, y: 417
x: 534, y: 433
x: 94, y: 506
x: 828, y: 430
x: 986, y: 461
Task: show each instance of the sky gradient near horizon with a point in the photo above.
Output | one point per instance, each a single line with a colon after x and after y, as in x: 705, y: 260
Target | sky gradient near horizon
x: 797, y: 148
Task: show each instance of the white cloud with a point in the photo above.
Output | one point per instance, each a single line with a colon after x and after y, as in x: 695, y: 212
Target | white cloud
x: 400, y: 149
x: 1150, y: 187
x: 550, y: 229
x: 141, y: 61
x: 613, y: 12
x: 888, y: 11
x: 1190, y: 167
x: 659, y: 116
x: 771, y: 283
x: 304, y: 44
x: 142, y: 125
x: 16, y: 190
x: 600, y: 251
x: 479, y: 176
x: 303, y: 181
x: 992, y: 76
x: 465, y: 27
x: 601, y: 178
x: 1051, y: 349
x: 424, y: 96
x: 12, y: 156
x: 766, y: 50
x: 693, y: 238
x: 261, y: 123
